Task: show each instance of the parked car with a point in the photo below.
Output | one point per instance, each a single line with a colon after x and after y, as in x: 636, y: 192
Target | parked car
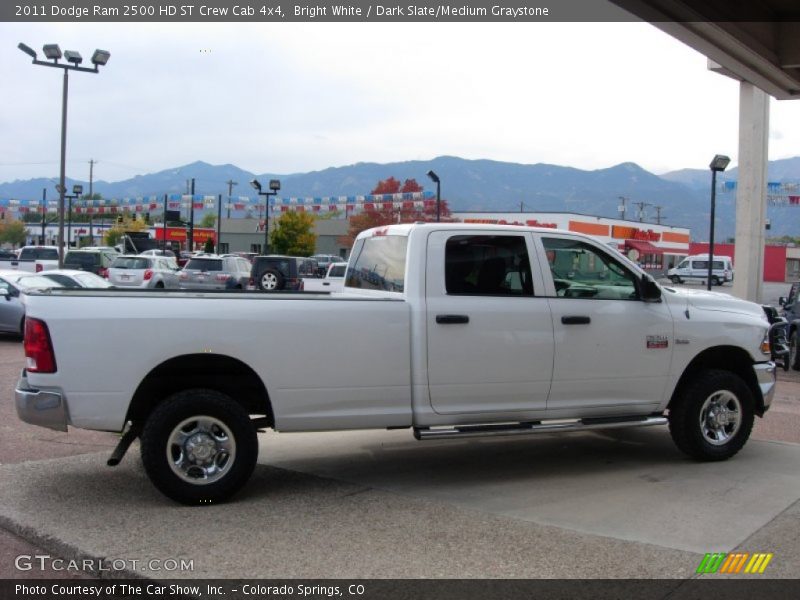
x: 274, y: 272
x: 135, y: 270
x: 13, y: 285
x: 92, y: 261
x: 696, y: 268
x: 324, y: 261
x: 332, y: 282
x: 32, y: 259
x: 791, y: 312
x: 215, y: 273
x: 7, y: 254
x: 158, y: 252
x: 71, y: 278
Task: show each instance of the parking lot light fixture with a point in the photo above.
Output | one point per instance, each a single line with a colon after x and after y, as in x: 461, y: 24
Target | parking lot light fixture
x: 53, y: 53
x: 718, y: 164
x: 435, y: 178
x: 274, y: 186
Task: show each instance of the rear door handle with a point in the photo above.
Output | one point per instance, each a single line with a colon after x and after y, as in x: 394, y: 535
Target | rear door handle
x: 451, y: 319
x: 575, y: 320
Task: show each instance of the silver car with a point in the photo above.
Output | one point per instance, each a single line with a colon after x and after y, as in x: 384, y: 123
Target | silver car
x: 209, y: 272
x: 71, y: 278
x: 143, y: 272
x: 13, y: 285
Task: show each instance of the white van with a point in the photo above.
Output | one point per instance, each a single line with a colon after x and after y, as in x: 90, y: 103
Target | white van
x: 696, y: 267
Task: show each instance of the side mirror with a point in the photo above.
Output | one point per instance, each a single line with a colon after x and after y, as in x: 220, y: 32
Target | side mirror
x: 782, y: 301
x: 650, y: 291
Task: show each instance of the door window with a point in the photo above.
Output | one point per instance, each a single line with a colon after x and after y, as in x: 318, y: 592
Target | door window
x: 487, y: 265
x: 582, y: 271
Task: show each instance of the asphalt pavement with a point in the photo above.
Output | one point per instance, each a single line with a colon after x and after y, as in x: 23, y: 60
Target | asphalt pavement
x: 377, y: 504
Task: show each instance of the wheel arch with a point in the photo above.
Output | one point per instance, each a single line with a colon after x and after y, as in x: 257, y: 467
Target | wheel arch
x: 725, y: 358
x: 212, y: 371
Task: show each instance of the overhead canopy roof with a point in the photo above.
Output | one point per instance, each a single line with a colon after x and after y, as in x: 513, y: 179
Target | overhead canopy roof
x: 756, y: 41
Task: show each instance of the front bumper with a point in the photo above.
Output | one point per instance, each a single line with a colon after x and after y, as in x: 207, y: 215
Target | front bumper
x: 46, y: 408
x: 766, y: 375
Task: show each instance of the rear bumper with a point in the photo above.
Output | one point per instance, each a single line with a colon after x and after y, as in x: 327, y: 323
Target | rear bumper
x: 46, y: 408
x: 766, y: 375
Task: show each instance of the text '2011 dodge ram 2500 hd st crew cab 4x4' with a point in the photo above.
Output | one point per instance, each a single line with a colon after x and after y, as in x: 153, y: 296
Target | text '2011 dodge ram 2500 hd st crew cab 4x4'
x: 451, y: 330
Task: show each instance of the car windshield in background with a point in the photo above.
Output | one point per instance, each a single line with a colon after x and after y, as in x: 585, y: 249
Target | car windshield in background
x: 36, y: 282
x: 204, y: 264
x: 131, y: 262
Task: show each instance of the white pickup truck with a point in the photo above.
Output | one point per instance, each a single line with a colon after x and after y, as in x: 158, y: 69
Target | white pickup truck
x: 332, y: 282
x: 451, y: 330
x: 33, y: 259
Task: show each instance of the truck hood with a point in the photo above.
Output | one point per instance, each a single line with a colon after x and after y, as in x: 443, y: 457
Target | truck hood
x: 717, y: 301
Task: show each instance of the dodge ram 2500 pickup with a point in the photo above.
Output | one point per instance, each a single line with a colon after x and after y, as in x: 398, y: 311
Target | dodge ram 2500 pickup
x: 452, y: 331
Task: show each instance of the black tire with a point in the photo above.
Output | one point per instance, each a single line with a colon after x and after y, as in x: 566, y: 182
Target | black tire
x: 673, y: 279
x: 715, y: 281
x: 270, y: 281
x: 214, y: 427
x: 713, y: 404
x: 794, y: 351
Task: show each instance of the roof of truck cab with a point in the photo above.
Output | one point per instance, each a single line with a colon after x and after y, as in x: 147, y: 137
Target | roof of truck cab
x: 406, y: 228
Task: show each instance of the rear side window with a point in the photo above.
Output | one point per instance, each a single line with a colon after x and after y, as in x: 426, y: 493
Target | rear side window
x: 380, y: 263
x: 204, y: 264
x: 84, y: 259
x: 131, y: 262
x: 38, y: 254
x: 337, y: 271
x: 487, y: 265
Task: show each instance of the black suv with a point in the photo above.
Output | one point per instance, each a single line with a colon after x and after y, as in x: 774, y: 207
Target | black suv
x: 94, y: 261
x: 273, y: 273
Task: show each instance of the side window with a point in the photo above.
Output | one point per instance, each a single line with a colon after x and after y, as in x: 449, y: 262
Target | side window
x: 582, y: 271
x: 487, y: 265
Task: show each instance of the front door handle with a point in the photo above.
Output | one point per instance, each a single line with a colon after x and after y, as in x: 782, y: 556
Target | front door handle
x: 451, y: 319
x: 575, y: 320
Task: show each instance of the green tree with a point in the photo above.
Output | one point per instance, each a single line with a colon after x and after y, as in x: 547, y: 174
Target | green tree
x: 208, y: 220
x: 294, y: 234
x: 13, y: 232
x: 208, y: 248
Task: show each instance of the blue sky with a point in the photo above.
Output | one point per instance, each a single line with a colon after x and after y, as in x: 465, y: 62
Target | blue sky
x: 296, y: 97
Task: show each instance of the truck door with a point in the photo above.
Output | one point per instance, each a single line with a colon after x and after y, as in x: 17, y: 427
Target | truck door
x: 489, y: 330
x: 612, y: 349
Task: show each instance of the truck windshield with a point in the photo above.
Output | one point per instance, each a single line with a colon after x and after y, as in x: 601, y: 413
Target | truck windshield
x: 379, y: 264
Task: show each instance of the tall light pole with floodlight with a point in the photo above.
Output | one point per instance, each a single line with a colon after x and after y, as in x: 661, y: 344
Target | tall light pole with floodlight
x: 77, y: 190
x: 274, y: 186
x: 53, y: 52
x: 435, y: 178
x: 718, y: 164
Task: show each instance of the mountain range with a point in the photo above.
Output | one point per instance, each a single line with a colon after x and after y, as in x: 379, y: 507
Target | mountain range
x: 480, y: 185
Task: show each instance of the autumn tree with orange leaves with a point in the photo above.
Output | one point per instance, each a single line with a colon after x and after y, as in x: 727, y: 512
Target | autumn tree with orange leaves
x: 377, y: 217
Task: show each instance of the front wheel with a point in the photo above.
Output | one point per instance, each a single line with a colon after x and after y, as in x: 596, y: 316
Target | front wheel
x: 199, y: 447
x: 713, y: 416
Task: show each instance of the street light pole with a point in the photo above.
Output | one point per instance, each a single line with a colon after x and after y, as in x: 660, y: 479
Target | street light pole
x: 53, y: 52
x: 274, y: 186
x: 718, y: 164
x: 435, y: 178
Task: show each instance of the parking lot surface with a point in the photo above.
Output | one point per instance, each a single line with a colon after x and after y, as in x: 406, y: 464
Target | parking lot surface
x: 616, y: 504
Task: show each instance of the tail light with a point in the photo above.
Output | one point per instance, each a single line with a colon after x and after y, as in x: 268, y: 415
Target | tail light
x: 39, y: 355
x: 252, y: 282
x: 103, y: 272
x: 302, y: 285
x: 39, y: 268
x: 148, y: 274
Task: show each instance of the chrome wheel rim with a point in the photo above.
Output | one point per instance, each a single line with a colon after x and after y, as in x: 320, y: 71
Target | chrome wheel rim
x: 720, y: 417
x: 201, y: 450
x: 269, y: 281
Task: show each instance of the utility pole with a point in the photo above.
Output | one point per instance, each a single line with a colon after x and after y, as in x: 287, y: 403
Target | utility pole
x: 621, y: 209
x: 230, y: 183
x: 91, y: 197
x: 191, y: 220
x: 658, y: 214
x: 640, y: 212
x: 44, y: 214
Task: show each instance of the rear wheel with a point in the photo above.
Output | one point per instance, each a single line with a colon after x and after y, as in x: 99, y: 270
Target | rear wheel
x: 199, y: 447
x: 713, y: 417
x: 715, y: 281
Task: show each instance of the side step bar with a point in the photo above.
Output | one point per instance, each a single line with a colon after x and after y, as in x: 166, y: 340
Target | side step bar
x: 470, y: 431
